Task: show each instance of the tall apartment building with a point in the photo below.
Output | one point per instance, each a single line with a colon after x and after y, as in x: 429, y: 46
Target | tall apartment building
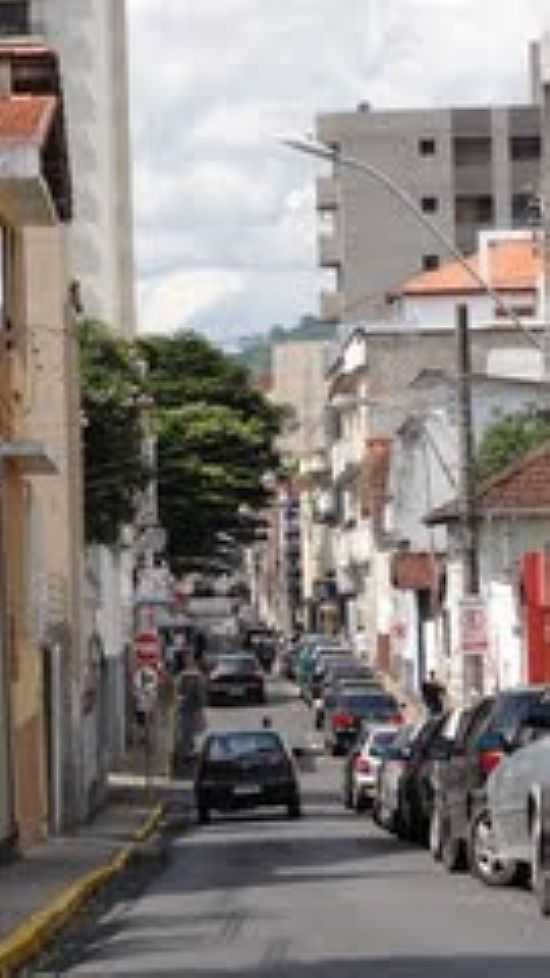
x: 468, y: 169
x: 91, y: 39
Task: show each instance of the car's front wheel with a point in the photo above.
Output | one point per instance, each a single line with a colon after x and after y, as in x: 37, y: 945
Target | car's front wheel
x: 484, y: 860
x: 540, y: 877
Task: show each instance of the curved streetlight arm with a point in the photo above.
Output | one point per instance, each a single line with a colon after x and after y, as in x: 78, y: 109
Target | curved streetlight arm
x: 321, y: 151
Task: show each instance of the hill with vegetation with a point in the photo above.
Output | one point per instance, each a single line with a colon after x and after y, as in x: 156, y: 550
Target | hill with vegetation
x: 255, y: 351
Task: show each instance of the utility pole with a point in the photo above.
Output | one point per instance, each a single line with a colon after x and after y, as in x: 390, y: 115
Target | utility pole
x: 466, y: 467
x: 472, y: 661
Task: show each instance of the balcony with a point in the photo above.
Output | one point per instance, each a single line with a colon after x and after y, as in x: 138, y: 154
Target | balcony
x: 329, y: 251
x: 327, y: 194
x: 332, y: 307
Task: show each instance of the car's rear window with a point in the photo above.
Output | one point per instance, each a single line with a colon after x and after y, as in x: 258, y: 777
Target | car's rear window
x: 367, y: 703
x: 237, y: 663
x: 528, y: 707
x: 233, y: 746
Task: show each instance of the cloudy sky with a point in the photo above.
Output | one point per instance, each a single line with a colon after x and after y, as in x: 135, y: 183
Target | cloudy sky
x: 225, y: 216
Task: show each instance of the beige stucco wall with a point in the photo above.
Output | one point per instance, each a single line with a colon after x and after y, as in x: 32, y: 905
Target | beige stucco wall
x: 45, y: 527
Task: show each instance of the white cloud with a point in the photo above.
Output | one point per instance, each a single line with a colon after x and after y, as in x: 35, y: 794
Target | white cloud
x: 178, y: 298
x: 225, y: 217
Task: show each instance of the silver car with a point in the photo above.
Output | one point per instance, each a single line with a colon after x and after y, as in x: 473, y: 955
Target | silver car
x: 510, y: 829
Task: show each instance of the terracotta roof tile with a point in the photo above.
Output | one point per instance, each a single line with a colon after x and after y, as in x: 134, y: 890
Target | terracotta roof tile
x: 26, y: 117
x: 513, y: 265
x: 524, y: 484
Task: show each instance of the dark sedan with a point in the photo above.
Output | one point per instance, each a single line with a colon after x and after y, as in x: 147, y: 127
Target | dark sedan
x: 245, y: 769
x: 404, y: 792
x: 346, y: 709
x: 236, y: 678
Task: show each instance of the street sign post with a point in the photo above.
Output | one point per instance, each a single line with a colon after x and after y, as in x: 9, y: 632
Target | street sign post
x: 474, y: 626
x: 148, y: 648
x: 146, y: 684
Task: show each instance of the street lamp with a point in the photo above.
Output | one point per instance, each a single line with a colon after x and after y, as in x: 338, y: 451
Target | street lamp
x: 323, y: 152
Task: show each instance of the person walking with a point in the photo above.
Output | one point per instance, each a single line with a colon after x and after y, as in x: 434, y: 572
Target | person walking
x: 191, y: 691
x: 433, y: 694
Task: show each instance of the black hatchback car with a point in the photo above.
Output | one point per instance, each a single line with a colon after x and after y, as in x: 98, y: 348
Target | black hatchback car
x: 494, y: 728
x: 236, y: 678
x: 244, y: 769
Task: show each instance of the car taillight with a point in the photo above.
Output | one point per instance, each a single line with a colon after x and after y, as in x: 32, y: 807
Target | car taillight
x: 396, y: 719
x: 489, y: 760
x: 342, y: 720
x: 362, y: 764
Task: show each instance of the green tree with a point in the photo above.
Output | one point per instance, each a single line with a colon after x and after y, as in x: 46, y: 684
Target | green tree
x: 510, y: 437
x: 215, y: 443
x: 113, y: 466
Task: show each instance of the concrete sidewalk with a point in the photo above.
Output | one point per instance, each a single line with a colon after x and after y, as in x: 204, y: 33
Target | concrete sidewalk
x: 41, y: 891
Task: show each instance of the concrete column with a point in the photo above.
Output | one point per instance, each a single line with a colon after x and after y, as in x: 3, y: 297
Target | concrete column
x: 500, y: 132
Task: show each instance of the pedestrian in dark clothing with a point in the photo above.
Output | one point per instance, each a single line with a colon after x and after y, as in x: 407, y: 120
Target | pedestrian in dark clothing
x: 191, y: 691
x: 433, y: 694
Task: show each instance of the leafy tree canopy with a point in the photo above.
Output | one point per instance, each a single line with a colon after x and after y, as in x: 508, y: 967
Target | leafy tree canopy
x: 113, y: 466
x: 510, y: 437
x: 215, y: 443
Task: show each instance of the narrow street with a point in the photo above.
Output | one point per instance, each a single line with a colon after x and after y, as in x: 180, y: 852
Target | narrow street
x: 330, y: 896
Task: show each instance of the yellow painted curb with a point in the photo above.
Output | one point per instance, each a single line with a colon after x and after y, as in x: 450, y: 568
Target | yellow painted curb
x: 33, y: 934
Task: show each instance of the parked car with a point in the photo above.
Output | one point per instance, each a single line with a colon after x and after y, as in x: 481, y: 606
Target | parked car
x: 244, y: 769
x: 509, y: 818
x: 288, y: 659
x: 361, y: 766
x: 348, y: 708
x: 454, y: 727
x: 404, y: 789
x: 307, y: 655
x: 322, y: 657
x: 496, y: 725
x: 236, y: 678
x: 335, y: 679
x: 263, y: 643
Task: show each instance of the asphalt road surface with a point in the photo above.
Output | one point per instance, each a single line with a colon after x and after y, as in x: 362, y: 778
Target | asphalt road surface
x: 330, y: 896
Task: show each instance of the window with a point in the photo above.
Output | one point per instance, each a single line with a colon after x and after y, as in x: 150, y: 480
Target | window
x: 522, y: 311
x: 430, y: 262
x: 525, y: 148
x: 430, y: 205
x: 426, y: 147
x: 526, y: 210
x: 14, y: 17
x: 472, y: 150
x: 474, y: 210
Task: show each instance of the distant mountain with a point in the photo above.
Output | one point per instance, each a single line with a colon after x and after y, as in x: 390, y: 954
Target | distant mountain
x: 255, y: 351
